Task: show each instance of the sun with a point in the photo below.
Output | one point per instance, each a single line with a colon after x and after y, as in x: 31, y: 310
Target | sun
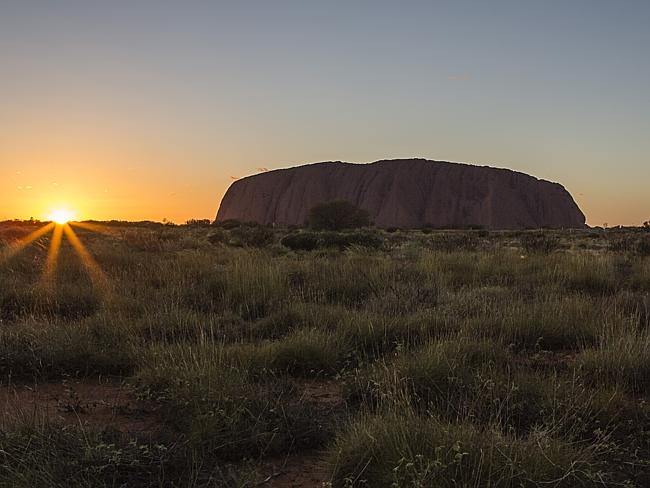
x: 61, y: 216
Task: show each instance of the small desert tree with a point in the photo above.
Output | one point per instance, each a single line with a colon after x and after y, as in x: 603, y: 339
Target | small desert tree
x: 337, y: 215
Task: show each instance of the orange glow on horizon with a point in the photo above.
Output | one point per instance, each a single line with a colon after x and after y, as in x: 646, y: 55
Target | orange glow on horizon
x: 61, y: 216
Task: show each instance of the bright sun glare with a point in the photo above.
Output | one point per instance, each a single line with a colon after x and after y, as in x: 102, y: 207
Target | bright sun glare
x: 61, y: 216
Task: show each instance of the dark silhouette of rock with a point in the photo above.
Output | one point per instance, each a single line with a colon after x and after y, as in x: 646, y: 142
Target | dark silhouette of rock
x: 405, y: 193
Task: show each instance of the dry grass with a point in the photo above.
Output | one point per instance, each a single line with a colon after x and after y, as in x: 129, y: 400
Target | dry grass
x: 467, y: 358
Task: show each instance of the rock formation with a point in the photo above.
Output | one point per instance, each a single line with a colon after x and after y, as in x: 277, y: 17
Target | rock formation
x: 405, y: 193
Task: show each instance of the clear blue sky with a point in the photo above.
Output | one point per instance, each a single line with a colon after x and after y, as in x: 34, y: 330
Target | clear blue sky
x: 143, y: 109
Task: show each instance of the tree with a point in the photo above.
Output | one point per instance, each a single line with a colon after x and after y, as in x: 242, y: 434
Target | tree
x: 337, y: 215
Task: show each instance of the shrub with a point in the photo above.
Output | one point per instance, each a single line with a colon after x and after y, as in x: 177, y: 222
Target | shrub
x: 247, y: 236
x: 303, y: 241
x: 219, y: 237
x: 337, y: 215
x: 349, y: 239
x: 227, y: 224
x: 309, y: 241
x: 539, y: 243
x: 243, y: 236
x: 198, y: 222
x: 452, y: 242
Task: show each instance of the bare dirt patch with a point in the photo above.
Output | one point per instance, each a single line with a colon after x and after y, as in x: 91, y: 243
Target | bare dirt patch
x: 299, y: 470
x: 327, y: 394
x: 97, y: 404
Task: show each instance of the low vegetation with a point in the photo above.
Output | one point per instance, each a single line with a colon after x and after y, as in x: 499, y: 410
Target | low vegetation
x: 326, y: 356
x: 337, y: 215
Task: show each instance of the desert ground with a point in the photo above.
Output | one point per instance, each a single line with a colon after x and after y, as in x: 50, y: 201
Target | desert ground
x: 243, y: 356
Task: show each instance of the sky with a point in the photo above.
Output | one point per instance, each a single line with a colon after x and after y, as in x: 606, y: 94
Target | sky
x: 150, y: 109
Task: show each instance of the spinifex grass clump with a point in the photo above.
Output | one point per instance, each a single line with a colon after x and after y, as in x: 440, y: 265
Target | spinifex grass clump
x: 405, y: 450
x: 39, y: 350
x: 622, y: 359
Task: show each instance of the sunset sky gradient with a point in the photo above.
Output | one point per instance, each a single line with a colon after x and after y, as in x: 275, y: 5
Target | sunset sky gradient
x: 148, y: 109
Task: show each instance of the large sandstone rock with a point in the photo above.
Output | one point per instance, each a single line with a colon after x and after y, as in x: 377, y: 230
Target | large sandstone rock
x: 405, y: 193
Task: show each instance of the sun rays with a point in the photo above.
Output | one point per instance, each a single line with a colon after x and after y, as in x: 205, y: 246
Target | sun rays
x: 96, y: 274
x: 91, y: 227
x: 15, y: 248
x: 60, y: 227
x: 52, y: 256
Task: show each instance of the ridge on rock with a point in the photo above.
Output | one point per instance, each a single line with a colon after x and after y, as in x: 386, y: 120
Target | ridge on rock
x: 405, y: 193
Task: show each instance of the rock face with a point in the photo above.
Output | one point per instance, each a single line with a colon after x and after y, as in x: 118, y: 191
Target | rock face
x: 405, y: 193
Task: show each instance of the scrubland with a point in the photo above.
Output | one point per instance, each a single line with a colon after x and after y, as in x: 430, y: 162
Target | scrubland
x: 237, y: 356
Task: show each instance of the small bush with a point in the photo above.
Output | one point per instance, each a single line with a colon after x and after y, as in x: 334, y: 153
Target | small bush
x: 337, y: 215
x: 243, y: 236
x: 539, y: 243
x: 309, y: 241
x: 198, y: 223
x: 452, y: 242
x: 257, y: 236
x: 219, y: 237
x: 227, y: 224
x: 302, y: 241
